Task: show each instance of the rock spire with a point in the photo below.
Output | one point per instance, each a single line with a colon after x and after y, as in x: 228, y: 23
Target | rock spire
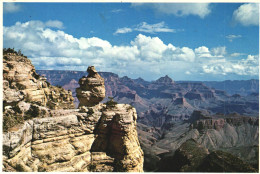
x: 92, y: 88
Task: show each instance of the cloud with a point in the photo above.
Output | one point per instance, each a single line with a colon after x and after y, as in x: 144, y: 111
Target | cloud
x: 203, y: 51
x: 247, y: 14
x: 231, y: 37
x: 146, y: 28
x: 123, y: 30
x: 219, y: 51
x: 146, y: 56
x: 188, y: 72
x: 54, y: 24
x: 116, y: 10
x: 248, y: 66
x: 236, y: 54
x: 178, y: 9
x: 153, y: 28
x: 10, y: 7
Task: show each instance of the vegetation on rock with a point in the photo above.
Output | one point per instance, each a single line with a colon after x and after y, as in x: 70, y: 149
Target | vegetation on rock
x: 21, y: 83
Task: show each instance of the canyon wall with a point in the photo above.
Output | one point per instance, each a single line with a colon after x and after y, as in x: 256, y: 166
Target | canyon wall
x: 42, y: 131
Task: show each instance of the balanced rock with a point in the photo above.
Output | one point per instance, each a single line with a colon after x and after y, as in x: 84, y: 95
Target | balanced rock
x: 92, y: 88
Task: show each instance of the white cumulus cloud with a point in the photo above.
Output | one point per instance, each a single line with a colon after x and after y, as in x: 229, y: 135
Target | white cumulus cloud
x: 54, y: 24
x: 146, y: 56
x: 178, y: 9
x: 219, y: 51
x: 247, y: 14
x: 248, y: 66
x: 203, y: 51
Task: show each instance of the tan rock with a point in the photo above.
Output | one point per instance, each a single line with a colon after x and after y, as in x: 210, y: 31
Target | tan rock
x: 102, y: 140
x: 92, y: 88
x: 94, y: 138
x: 22, y: 83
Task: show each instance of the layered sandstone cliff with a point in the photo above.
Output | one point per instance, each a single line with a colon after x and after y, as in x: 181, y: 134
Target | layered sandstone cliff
x: 26, y: 94
x: 45, y: 134
x: 22, y: 83
x: 99, y: 138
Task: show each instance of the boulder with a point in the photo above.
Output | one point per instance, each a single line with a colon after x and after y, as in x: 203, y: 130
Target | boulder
x: 92, y: 88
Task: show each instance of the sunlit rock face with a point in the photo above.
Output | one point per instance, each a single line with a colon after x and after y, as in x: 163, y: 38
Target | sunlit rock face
x: 43, y: 134
x: 22, y: 83
x: 98, y: 138
x: 92, y: 88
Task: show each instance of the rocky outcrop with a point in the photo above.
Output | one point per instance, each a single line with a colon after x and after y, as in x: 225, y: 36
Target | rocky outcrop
x: 98, y: 138
x: 180, y: 101
x: 26, y: 94
x: 202, y: 121
x: 156, y: 108
x: 191, y: 157
x: 92, y: 88
x: 193, y: 95
x: 199, y: 96
x: 94, y: 138
x: 22, y: 83
x: 164, y: 80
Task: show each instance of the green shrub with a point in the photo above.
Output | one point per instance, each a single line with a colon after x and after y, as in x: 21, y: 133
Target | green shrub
x: 90, y: 111
x: 11, y: 120
x: 111, y: 102
x: 33, y: 112
x: 92, y: 167
x: 58, y: 86
x: 130, y: 107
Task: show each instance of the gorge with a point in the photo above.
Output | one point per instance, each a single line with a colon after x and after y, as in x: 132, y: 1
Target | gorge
x: 44, y: 132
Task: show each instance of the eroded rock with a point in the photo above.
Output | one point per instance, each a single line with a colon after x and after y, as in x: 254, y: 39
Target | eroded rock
x: 22, y: 83
x: 42, y: 133
x: 92, y: 88
x: 102, y: 140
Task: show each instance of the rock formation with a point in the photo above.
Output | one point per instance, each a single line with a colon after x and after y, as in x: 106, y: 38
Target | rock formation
x: 92, y: 88
x: 192, y: 157
x: 100, y: 138
x: 165, y: 80
x: 161, y: 107
x: 22, y: 83
x: 26, y: 94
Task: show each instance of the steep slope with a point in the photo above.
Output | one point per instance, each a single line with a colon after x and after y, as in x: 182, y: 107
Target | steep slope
x: 164, y: 94
x: 191, y: 157
x: 164, y: 108
x: 242, y: 87
x: 26, y: 93
x: 22, y: 83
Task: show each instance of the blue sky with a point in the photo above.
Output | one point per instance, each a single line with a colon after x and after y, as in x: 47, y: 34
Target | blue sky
x: 215, y: 41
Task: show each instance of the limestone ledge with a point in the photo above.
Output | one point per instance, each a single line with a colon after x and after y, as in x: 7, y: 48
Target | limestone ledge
x: 22, y: 83
x: 104, y: 139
